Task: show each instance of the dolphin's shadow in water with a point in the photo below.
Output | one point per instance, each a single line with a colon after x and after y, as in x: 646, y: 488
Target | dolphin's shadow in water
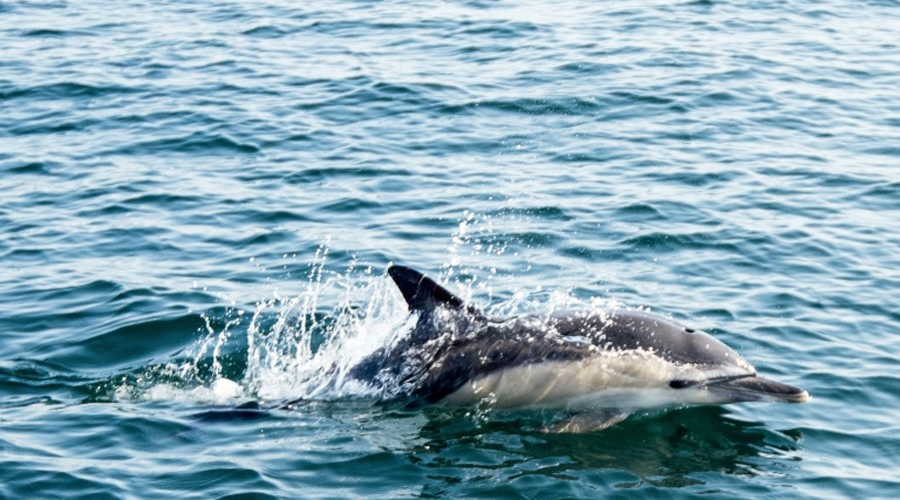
x: 666, y: 449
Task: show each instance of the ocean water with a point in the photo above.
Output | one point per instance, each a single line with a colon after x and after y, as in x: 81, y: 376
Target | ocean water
x: 198, y: 202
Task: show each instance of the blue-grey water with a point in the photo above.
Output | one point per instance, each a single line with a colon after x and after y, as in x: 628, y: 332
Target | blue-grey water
x: 193, y: 193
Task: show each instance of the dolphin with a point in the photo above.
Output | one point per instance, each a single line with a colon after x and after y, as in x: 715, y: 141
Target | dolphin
x: 600, y: 366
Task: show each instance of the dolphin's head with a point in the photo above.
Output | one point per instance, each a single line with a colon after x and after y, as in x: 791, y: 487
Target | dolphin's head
x: 704, y: 370
x: 681, y: 365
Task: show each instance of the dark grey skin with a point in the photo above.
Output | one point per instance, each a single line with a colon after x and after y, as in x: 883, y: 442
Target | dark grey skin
x: 600, y: 365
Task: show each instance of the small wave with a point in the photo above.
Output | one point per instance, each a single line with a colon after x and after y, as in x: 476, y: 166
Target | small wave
x: 884, y: 150
x: 318, y: 175
x: 573, y: 106
x: 350, y: 205
x: 639, y: 211
x: 257, y: 216
x: 35, y: 168
x: 671, y: 242
x: 128, y: 344
x: 167, y: 201
x: 66, y: 90
x: 54, y: 33
x: 195, y: 143
x: 552, y: 213
x: 266, y: 31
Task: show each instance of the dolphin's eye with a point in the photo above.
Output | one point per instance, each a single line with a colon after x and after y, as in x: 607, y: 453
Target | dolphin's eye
x: 680, y: 384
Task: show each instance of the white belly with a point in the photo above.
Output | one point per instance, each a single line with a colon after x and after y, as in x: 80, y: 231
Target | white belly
x: 628, y: 381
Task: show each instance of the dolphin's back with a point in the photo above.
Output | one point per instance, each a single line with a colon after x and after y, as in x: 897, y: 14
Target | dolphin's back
x: 630, y: 329
x: 494, y: 347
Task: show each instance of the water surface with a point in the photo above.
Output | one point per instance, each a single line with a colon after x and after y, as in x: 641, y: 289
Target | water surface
x: 195, y: 191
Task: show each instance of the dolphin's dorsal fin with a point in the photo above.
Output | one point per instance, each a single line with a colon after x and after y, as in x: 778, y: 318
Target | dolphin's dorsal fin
x: 421, y: 292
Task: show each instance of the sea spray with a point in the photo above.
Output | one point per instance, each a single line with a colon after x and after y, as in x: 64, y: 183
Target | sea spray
x: 306, y: 353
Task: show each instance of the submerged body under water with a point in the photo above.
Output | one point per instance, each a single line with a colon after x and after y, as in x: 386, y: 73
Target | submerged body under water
x: 197, y: 200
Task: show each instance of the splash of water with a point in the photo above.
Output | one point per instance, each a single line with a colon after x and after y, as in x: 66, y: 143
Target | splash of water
x: 306, y: 354
x: 285, y: 348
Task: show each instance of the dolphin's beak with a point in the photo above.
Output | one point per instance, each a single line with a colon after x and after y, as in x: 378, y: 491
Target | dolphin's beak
x: 755, y: 388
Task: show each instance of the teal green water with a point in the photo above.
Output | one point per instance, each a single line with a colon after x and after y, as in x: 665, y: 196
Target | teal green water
x: 198, y: 190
